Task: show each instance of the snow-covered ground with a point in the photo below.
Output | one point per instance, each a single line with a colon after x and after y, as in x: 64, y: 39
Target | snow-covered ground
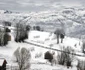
x: 45, y: 39
x: 49, y: 39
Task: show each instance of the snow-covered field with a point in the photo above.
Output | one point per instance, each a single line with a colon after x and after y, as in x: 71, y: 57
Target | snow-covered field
x: 45, y: 39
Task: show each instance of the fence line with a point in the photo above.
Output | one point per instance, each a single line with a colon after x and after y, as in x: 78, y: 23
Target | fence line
x: 53, y: 49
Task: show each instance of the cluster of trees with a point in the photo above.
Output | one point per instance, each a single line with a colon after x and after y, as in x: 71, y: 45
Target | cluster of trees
x: 37, y: 28
x: 3, y: 37
x: 60, y: 33
x: 23, y: 57
x: 21, y: 32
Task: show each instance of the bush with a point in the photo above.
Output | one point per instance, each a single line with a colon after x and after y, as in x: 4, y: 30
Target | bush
x: 32, y: 49
x: 37, y: 28
x: 7, y: 30
x: 81, y: 65
x: 37, y: 55
x: 65, y: 58
x: 48, y: 56
x: 60, y: 57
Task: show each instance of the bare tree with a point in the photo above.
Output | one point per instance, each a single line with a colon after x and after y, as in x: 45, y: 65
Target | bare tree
x: 59, y: 34
x: 20, y: 32
x: 23, y: 58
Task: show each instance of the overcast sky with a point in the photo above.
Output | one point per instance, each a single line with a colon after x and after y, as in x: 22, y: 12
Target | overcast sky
x: 36, y: 5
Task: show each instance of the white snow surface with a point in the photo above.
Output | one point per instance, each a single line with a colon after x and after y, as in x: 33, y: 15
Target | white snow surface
x: 41, y: 38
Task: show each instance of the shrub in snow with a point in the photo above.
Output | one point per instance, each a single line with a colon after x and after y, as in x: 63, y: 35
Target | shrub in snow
x: 49, y: 56
x: 65, y: 57
x: 81, y: 65
x: 60, y: 57
x: 7, y: 30
x: 23, y: 58
x: 38, y: 55
x: 32, y: 49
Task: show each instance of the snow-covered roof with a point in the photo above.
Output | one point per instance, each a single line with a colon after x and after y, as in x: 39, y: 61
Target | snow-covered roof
x: 1, y: 61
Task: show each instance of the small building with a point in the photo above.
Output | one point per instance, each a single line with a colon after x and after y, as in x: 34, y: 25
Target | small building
x: 3, y: 63
x: 9, y: 37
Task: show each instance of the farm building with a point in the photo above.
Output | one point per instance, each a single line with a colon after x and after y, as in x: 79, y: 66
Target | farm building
x: 3, y: 63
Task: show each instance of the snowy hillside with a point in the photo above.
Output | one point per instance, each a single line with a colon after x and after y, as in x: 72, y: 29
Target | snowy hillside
x: 71, y: 19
